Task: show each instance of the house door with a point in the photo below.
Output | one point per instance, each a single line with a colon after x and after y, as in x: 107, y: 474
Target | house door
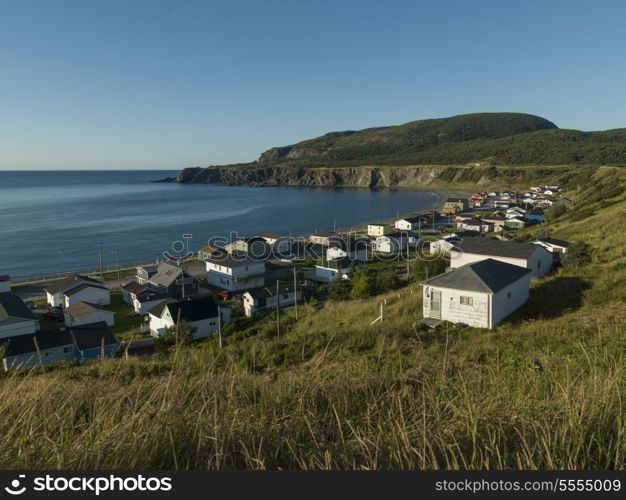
x: 435, y: 304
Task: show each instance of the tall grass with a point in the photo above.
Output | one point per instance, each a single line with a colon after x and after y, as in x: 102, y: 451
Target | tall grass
x: 545, y: 389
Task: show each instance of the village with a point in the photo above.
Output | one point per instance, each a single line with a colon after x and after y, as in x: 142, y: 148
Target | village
x: 483, y: 275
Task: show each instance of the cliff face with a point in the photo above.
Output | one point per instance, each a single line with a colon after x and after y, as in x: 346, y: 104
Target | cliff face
x: 372, y: 176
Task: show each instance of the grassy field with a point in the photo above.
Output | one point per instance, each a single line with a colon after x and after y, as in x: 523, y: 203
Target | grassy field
x: 544, y: 389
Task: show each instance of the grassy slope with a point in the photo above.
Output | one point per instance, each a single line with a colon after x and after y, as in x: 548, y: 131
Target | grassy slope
x: 545, y: 389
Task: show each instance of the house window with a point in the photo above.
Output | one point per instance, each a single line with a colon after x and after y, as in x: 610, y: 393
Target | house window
x: 539, y: 264
x: 67, y: 349
x: 285, y: 296
x: 508, y: 295
x: 467, y: 301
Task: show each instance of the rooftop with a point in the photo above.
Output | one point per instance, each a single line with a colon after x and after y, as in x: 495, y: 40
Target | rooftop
x: 69, y: 282
x: 13, y: 307
x: 488, y: 276
x: 83, y: 309
x: 194, y: 309
x: 488, y: 246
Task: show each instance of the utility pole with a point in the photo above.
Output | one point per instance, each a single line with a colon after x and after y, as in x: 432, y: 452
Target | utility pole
x: 408, y: 269
x: 117, y: 262
x: 101, y: 264
x: 295, y: 292
x: 277, y: 310
x: 219, y: 324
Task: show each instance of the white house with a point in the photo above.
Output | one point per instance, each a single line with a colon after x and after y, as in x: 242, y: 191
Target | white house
x: 146, y: 300
x: 56, y: 289
x: 278, y: 243
x: 83, y: 313
x: 478, y: 225
x: 375, y: 230
x: 443, y: 245
x: 408, y: 223
x: 5, y: 283
x: 354, y: 249
x: 15, y: 317
x: 130, y: 291
x: 265, y: 299
x: 335, y: 268
x: 479, y: 294
x: 395, y: 242
x: 235, y: 273
x: 552, y: 245
x: 87, y: 292
x: 532, y: 257
x: 201, y: 312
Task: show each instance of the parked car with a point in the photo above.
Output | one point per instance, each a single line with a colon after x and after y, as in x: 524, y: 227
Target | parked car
x: 54, y: 314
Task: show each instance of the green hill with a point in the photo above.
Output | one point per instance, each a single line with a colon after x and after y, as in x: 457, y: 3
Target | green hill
x: 481, y: 140
x: 545, y: 389
x: 408, y: 142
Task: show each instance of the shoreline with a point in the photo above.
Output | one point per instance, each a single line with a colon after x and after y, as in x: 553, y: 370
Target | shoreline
x: 441, y: 193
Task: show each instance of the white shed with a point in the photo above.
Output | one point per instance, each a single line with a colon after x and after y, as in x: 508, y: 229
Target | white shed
x: 84, y: 313
x: 479, y: 294
x: 93, y: 294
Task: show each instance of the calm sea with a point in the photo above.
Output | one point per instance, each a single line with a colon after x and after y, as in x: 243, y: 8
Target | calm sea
x: 52, y: 221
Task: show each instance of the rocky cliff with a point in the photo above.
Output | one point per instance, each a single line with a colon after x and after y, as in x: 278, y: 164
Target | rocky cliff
x: 373, y: 176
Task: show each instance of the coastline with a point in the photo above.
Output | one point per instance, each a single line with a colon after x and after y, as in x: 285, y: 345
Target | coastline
x: 441, y: 195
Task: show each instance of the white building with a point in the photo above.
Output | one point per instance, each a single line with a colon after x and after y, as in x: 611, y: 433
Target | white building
x: 5, y: 283
x: 532, y: 257
x: 91, y: 293
x: 235, y: 273
x: 263, y: 300
x: 408, y: 223
x: 552, y: 245
x: 15, y: 317
x: 278, y: 243
x: 395, y: 242
x: 201, y: 312
x: 335, y: 268
x: 477, y: 225
x: 83, y: 313
x: 56, y: 289
x: 375, y: 230
x: 443, y: 245
x: 354, y: 249
x: 480, y: 294
x: 146, y: 300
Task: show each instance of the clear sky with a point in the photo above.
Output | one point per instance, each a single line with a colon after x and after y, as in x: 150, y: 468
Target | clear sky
x: 169, y: 84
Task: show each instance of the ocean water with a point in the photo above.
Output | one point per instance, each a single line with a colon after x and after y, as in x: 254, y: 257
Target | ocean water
x: 53, y: 221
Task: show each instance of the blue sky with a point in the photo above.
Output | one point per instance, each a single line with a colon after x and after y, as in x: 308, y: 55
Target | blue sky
x: 170, y: 84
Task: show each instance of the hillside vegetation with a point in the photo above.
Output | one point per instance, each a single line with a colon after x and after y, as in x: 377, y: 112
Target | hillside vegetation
x: 481, y: 146
x: 545, y: 389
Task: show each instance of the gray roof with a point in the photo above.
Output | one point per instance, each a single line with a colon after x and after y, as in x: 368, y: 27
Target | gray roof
x: 488, y: 276
x: 167, y: 274
x: 13, y: 307
x: 134, y: 287
x: 229, y: 260
x: 488, y: 246
x: 70, y: 282
x: 84, y: 286
x: 194, y: 309
x: 270, y: 291
x: 83, y: 309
